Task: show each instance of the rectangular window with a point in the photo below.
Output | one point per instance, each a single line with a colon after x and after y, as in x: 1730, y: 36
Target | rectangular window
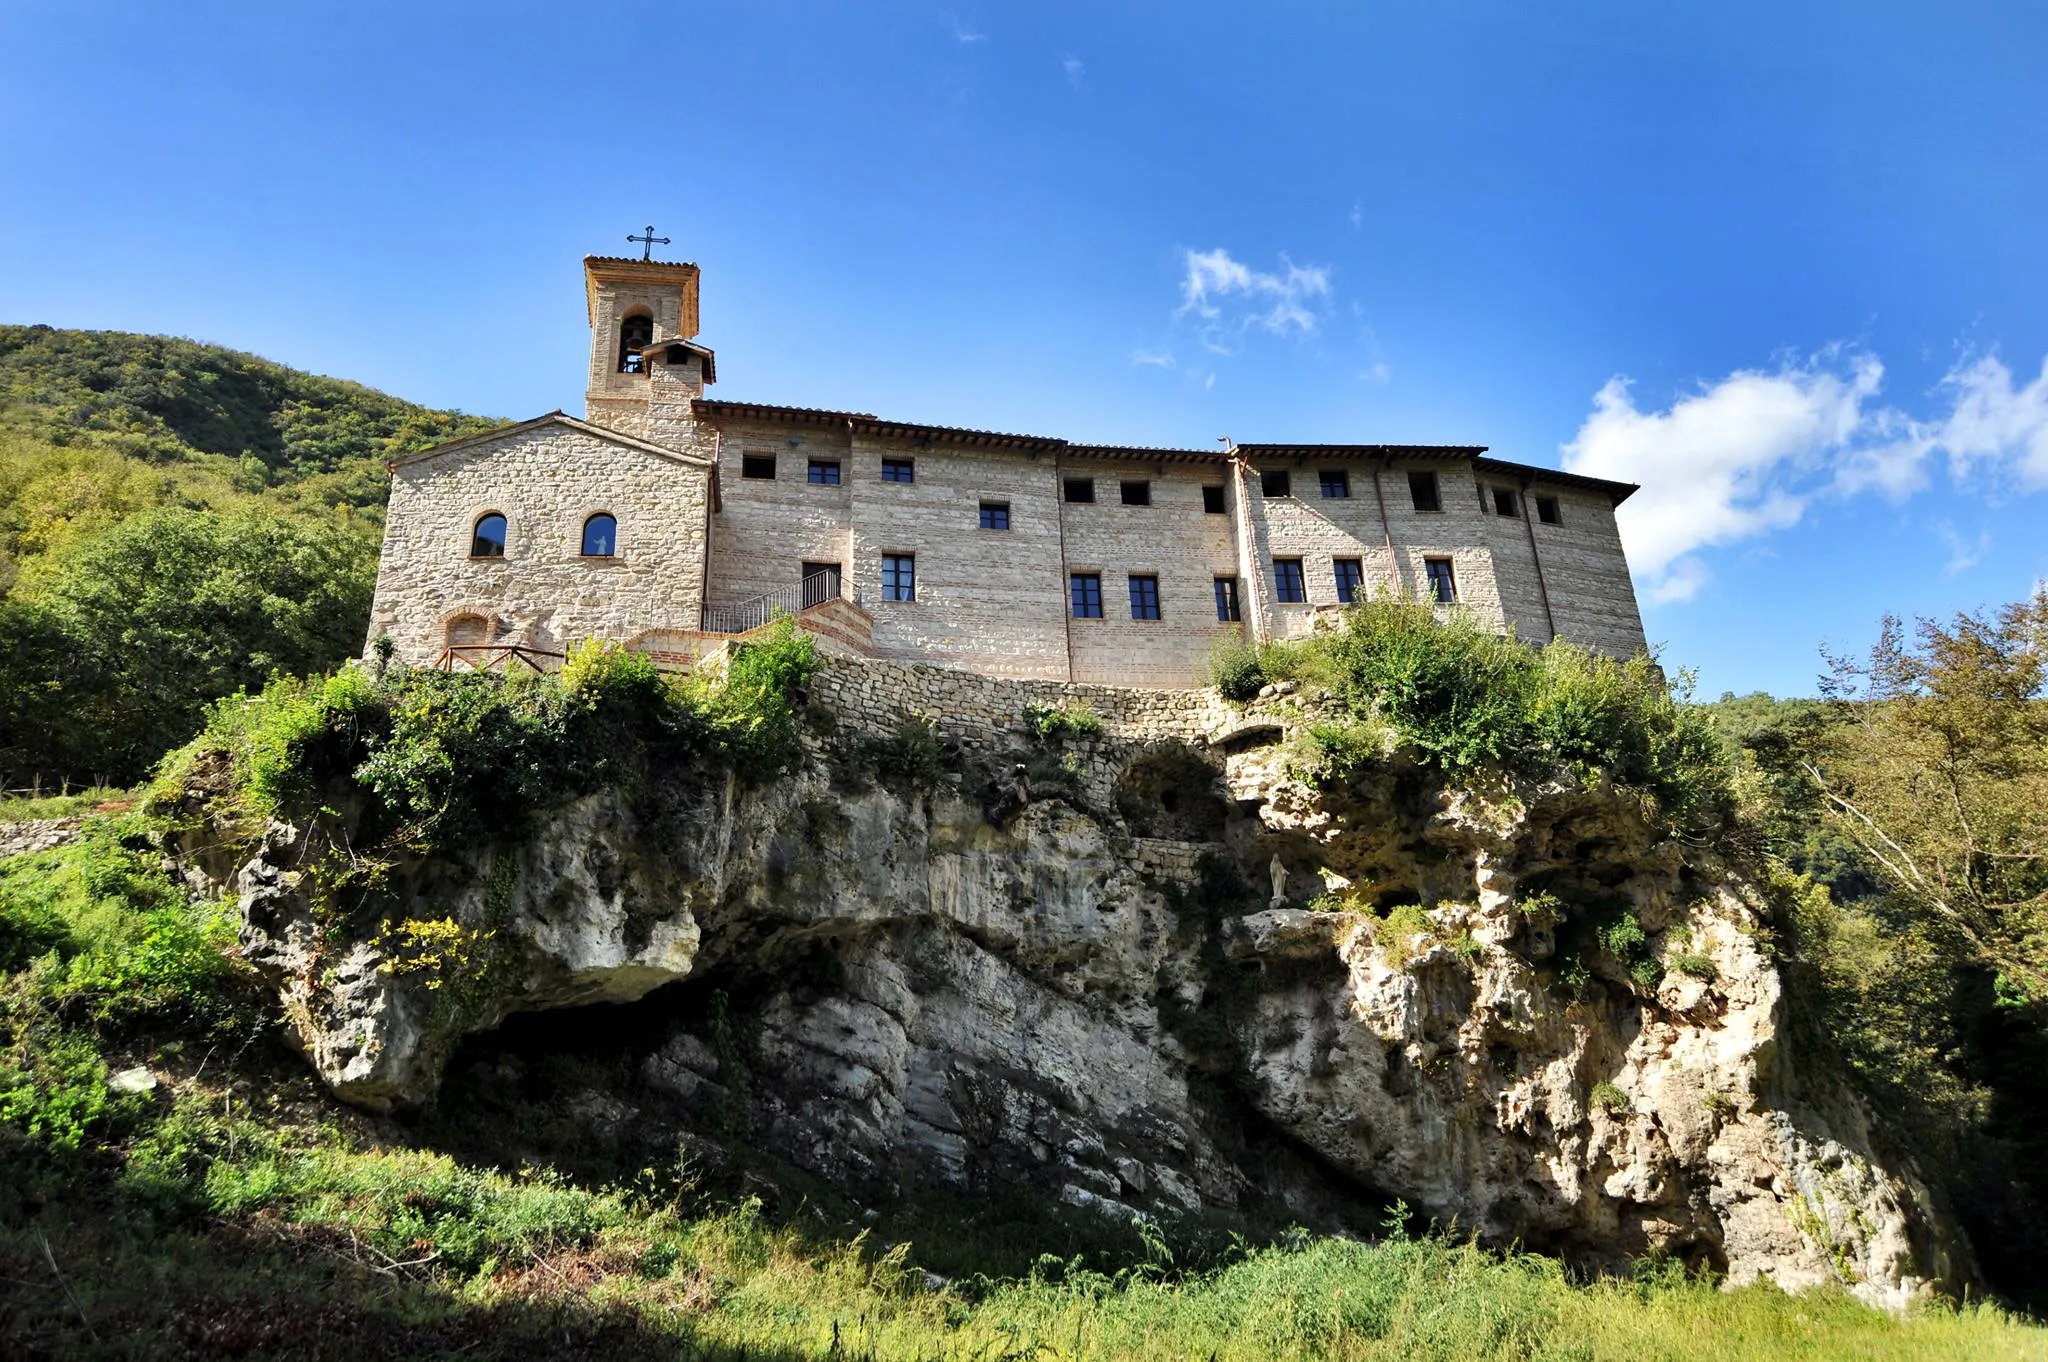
x: 1136, y: 493
x: 1350, y: 576
x: 1442, y: 584
x: 1144, y: 598
x: 899, y: 470
x: 824, y: 472
x: 1287, y: 583
x: 757, y: 465
x: 1422, y: 487
x: 995, y: 515
x: 1335, y: 482
x: 1086, y: 588
x: 1546, y: 511
x: 1078, y: 489
x: 899, y: 577
x: 1212, y: 500
x: 1226, y: 600
x: 1504, y: 502
x: 1274, y: 482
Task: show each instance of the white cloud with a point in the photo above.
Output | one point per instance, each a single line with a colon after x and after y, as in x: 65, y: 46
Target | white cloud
x: 1158, y: 359
x: 1378, y: 373
x: 1962, y: 554
x: 962, y: 33
x: 1994, y: 427
x: 1745, y: 456
x: 1278, y: 302
x: 1680, y: 582
x: 1075, y: 70
x: 1357, y: 215
x: 1740, y: 458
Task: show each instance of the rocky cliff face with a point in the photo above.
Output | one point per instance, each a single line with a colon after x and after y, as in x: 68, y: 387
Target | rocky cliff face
x: 1093, y: 966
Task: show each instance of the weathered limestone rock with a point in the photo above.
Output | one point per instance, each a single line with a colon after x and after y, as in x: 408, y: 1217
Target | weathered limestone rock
x: 587, y: 919
x: 1082, y: 987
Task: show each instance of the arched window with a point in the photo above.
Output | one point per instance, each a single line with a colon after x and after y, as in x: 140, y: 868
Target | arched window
x: 600, y: 536
x: 468, y: 630
x: 635, y: 334
x: 488, y: 539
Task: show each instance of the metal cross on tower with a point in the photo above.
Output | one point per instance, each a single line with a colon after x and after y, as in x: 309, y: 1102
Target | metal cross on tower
x: 651, y: 240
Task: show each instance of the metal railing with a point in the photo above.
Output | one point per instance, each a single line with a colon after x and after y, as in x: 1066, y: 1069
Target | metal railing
x: 815, y: 589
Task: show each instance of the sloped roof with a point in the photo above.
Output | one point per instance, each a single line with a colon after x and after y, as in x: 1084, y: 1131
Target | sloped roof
x: 710, y: 359
x: 554, y: 418
x: 866, y: 423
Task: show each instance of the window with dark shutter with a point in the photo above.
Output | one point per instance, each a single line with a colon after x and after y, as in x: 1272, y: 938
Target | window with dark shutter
x: 1226, y: 600
x: 1085, y: 589
x: 899, y: 470
x: 1136, y: 493
x: 1274, y: 482
x: 1144, y: 598
x: 1335, y: 482
x: 1212, y: 500
x: 757, y: 465
x: 995, y: 515
x: 1350, y: 573
x: 899, y: 577
x: 823, y: 473
x: 1422, y: 487
x: 1504, y: 502
x: 1287, y: 581
x: 1443, y: 585
x: 1547, y: 512
x: 1078, y: 489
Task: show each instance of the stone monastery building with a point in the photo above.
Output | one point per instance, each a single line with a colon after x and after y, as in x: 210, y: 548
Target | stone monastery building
x: 671, y: 522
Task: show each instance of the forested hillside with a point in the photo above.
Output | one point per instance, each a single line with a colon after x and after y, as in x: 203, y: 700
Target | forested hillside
x: 177, y: 521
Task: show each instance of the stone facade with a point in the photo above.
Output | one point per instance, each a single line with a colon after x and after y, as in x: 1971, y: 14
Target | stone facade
x: 731, y: 505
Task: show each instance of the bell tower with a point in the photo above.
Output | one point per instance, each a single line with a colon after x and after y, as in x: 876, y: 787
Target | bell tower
x: 642, y: 314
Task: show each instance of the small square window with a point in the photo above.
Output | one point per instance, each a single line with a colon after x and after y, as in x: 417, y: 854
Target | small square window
x: 1086, y: 590
x: 1274, y: 482
x: 1078, y: 489
x: 1504, y: 502
x: 1335, y: 482
x: 1287, y: 581
x: 1136, y: 493
x: 1422, y: 487
x: 1226, y: 600
x: 757, y: 465
x: 1212, y: 500
x: 899, y: 577
x: 899, y: 470
x: 995, y: 515
x: 1350, y: 574
x: 1443, y: 585
x: 823, y: 472
x: 1546, y: 511
x: 1144, y: 598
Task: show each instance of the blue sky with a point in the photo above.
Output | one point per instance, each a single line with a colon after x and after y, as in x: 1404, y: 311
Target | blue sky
x: 1780, y: 263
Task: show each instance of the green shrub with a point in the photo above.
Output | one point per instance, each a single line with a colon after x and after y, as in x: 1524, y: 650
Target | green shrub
x: 1464, y: 699
x: 911, y: 758
x: 1608, y: 1098
x: 1696, y: 966
x: 1055, y: 722
x: 1235, y: 672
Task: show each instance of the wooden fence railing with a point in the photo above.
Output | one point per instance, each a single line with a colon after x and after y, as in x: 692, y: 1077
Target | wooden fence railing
x: 490, y: 657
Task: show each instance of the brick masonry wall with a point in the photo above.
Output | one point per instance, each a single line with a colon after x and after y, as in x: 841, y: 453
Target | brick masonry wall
x: 1172, y: 539
x: 993, y: 601
x: 546, y: 482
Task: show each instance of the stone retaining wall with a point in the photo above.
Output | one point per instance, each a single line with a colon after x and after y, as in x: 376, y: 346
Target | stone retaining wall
x: 988, y: 710
x: 39, y: 834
